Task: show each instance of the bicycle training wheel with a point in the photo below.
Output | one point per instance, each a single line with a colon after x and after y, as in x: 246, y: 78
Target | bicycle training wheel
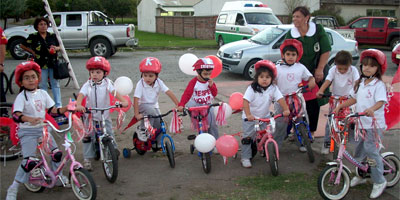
x: 87, y: 189
x: 306, y: 141
x: 273, y: 159
x: 206, y: 162
x: 326, y: 183
x: 392, y: 178
x: 110, y: 162
x: 170, y: 153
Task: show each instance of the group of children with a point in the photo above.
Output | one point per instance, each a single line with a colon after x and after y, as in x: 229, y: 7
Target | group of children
x: 270, y: 84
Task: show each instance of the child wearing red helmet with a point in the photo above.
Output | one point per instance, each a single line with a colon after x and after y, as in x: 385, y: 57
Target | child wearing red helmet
x: 145, y: 100
x: 29, y: 111
x: 369, y: 95
x: 256, y: 102
x: 97, y: 90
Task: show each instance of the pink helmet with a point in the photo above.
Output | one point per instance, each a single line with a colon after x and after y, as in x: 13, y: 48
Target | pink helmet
x: 268, y: 64
x: 98, y: 62
x: 23, y: 67
x: 378, y: 56
x: 203, y: 63
x: 293, y: 42
x: 150, y: 64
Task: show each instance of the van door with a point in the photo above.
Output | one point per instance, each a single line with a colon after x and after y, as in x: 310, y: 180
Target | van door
x: 75, y: 31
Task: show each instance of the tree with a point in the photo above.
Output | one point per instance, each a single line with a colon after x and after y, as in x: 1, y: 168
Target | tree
x: 118, y: 8
x: 291, y: 5
x: 11, y: 9
x: 35, y: 8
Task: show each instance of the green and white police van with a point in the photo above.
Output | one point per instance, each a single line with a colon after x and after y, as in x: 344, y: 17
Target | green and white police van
x: 239, y: 20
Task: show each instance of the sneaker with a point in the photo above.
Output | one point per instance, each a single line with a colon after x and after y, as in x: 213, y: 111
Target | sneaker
x: 87, y: 165
x: 65, y: 182
x: 12, y: 193
x: 141, y: 134
x: 302, y: 149
x: 291, y: 137
x: 325, y: 148
x: 357, y: 181
x: 377, y: 190
x: 246, y: 163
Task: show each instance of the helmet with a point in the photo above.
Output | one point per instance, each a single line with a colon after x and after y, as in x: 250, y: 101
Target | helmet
x: 150, y: 64
x: 23, y: 67
x: 378, y: 56
x: 293, y: 42
x: 268, y: 64
x: 203, y: 63
x: 98, y: 62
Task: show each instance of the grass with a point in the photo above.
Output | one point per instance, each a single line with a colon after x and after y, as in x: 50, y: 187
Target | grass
x: 126, y: 20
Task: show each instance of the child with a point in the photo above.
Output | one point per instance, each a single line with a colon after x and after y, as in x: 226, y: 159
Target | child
x: 369, y: 95
x: 145, y: 101
x: 290, y: 74
x: 97, y: 90
x: 29, y: 111
x: 343, y: 77
x: 256, y: 102
x: 201, y: 91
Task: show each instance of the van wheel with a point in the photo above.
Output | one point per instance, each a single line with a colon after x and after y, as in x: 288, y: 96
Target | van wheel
x: 249, y: 71
x: 394, y: 42
x: 220, y: 41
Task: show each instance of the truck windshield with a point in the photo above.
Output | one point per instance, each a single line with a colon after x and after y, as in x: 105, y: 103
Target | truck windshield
x: 267, y: 36
x: 262, y: 19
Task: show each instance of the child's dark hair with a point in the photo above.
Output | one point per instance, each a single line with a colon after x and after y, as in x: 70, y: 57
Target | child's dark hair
x: 372, y: 62
x: 256, y: 87
x: 200, y: 70
x: 289, y: 48
x: 343, y: 58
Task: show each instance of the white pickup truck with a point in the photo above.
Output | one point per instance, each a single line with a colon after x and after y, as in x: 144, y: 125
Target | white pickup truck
x: 80, y: 30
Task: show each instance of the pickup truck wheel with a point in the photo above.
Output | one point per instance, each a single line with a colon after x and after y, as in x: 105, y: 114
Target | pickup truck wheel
x: 16, y: 51
x: 101, y: 47
x: 394, y: 42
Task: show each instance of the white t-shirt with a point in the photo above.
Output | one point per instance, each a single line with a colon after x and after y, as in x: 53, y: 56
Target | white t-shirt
x: 98, y: 96
x: 260, y: 102
x: 342, y: 84
x: 289, y: 77
x: 36, y: 105
x: 149, y: 94
x: 367, y: 96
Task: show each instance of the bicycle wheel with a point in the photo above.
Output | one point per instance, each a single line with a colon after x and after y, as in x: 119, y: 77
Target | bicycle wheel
x: 253, y: 149
x: 7, y: 150
x: 10, y: 82
x: 326, y: 183
x: 206, y: 162
x: 392, y: 178
x: 87, y: 189
x: 273, y: 159
x: 110, y: 162
x: 6, y: 83
x: 306, y: 142
x: 33, y: 187
x: 191, y: 148
x: 170, y: 153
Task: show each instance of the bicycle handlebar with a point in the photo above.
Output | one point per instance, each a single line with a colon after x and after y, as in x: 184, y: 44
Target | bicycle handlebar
x: 267, y: 120
x: 301, y: 89
x: 58, y: 130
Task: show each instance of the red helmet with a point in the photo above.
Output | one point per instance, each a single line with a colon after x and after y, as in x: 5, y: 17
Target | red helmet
x: 268, y: 64
x: 378, y: 56
x: 293, y: 42
x: 150, y: 64
x: 98, y: 62
x: 203, y: 63
x: 23, y: 67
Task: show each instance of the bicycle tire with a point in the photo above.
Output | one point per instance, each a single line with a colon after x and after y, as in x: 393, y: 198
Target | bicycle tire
x: 10, y: 82
x: 84, y: 179
x: 394, y: 161
x: 306, y: 141
x: 6, y: 82
x: 253, y: 149
x: 206, y: 162
x: 273, y: 159
x: 191, y: 148
x: 6, y: 144
x: 170, y: 153
x: 325, y: 177
x: 34, y: 188
x: 110, y: 162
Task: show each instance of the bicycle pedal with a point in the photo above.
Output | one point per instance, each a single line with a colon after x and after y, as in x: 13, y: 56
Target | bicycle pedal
x: 191, y: 137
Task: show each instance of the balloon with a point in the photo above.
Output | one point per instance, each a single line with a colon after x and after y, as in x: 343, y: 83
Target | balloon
x: 186, y: 62
x: 227, y: 145
x: 236, y: 101
x: 204, y: 142
x: 126, y: 109
x: 226, y: 107
x: 123, y: 85
x: 217, y: 66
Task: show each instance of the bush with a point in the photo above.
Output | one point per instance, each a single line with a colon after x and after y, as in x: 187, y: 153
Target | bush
x: 339, y: 19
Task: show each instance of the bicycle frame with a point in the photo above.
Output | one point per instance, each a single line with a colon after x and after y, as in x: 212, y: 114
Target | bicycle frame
x: 265, y: 135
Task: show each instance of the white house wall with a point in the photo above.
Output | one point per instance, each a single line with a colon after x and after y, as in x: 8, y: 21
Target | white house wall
x: 147, y: 10
x: 350, y: 11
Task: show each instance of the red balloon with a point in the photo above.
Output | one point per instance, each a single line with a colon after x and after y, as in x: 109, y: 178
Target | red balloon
x: 227, y: 145
x: 236, y: 101
x: 113, y: 100
x: 217, y: 66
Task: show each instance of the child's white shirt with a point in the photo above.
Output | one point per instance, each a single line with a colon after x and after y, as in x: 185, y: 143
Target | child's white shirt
x: 102, y: 100
x: 342, y: 84
x: 260, y: 102
x: 367, y: 96
x: 289, y: 77
x: 149, y: 94
x: 36, y: 106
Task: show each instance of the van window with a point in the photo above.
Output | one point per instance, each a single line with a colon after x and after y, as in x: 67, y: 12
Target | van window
x: 239, y: 20
x: 222, y: 19
x: 262, y: 18
x: 74, y: 20
x: 231, y: 18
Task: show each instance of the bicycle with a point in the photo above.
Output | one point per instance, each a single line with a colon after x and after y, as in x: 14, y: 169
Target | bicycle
x: 298, y: 117
x: 42, y: 176
x: 265, y: 142
x: 197, y: 113
x: 9, y: 145
x: 334, y: 180
x: 141, y: 147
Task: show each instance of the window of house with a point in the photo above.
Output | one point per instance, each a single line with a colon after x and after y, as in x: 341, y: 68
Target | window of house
x: 379, y: 12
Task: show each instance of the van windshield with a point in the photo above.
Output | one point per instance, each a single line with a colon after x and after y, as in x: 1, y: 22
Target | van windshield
x: 267, y: 36
x: 262, y: 19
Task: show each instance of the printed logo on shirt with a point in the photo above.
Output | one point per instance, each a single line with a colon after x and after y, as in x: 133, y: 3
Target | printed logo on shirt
x: 38, y: 105
x: 316, y: 47
x: 290, y: 76
x: 349, y: 82
x: 369, y: 95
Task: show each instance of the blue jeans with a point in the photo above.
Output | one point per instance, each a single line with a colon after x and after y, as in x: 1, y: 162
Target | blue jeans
x: 55, y: 85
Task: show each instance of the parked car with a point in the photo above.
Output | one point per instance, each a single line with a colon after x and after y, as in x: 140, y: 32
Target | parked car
x: 396, y: 54
x: 376, y: 30
x: 331, y: 22
x: 240, y: 56
x: 79, y: 30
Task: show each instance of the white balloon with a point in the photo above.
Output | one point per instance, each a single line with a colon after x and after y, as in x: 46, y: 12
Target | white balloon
x: 228, y: 110
x: 123, y: 85
x: 186, y: 62
x: 204, y: 142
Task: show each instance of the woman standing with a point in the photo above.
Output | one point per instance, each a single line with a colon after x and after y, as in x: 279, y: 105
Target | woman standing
x: 43, y: 46
x: 316, y: 48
